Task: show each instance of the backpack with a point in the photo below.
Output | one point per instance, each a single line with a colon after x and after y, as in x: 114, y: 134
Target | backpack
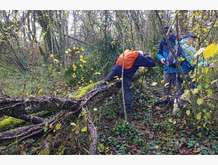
x: 181, y: 58
x: 129, y: 57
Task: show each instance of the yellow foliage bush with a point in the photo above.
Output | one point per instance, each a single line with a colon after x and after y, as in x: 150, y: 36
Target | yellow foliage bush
x: 210, y: 51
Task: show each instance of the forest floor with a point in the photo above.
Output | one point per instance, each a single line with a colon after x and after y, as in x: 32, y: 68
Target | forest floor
x: 153, y: 129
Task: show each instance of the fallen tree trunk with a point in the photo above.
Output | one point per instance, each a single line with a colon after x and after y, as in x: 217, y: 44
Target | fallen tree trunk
x: 67, y: 108
x: 22, y: 106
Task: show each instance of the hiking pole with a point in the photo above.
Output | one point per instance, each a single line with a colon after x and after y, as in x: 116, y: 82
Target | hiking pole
x: 122, y: 74
x: 175, y: 103
x: 122, y: 82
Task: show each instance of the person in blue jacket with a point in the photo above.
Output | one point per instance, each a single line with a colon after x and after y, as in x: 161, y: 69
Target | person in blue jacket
x: 171, y: 71
x: 188, y: 64
x: 133, y: 60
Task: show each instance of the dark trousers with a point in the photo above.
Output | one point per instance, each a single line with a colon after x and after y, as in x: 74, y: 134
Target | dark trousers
x: 175, y: 80
x: 126, y: 85
x: 171, y: 80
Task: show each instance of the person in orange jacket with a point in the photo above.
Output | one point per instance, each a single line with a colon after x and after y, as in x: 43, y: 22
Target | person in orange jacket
x: 129, y: 61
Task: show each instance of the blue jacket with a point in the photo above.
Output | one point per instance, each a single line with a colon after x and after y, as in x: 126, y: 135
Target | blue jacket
x: 141, y: 61
x: 164, y: 51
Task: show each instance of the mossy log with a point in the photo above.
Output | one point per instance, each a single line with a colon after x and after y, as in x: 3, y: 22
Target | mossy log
x: 65, y: 108
x: 8, y: 122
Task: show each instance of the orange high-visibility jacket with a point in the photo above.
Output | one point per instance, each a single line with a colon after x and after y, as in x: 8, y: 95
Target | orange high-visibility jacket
x: 129, y: 57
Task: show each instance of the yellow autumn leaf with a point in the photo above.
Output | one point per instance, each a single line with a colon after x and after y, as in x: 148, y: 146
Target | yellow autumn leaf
x: 97, y: 73
x: 181, y: 59
x: 210, y: 51
x: 82, y: 60
x: 101, y: 147
x: 56, y: 61
x: 73, y: 124
x: 198, y: 116
x: 84, y: 129
x: 188, y: 112
x: 74, y: 67
x: 44, y: 151
x: 175, y: 108
x: 153, y: 84
x: 95, y: 109
x: 58, y: 126
x: 186, y: 96
x: 205, y: 70
x: 195, y: 91
x: 73, y: 75
x: 51, y: 55
x: 162, y: 81
x: 40, y: 91
x: 210, y: 92
x: 200, y: 101
x: 205, y: 30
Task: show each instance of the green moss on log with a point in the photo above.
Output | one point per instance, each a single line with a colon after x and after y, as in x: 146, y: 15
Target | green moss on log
x: 83, y: 91
x: 8, y: 122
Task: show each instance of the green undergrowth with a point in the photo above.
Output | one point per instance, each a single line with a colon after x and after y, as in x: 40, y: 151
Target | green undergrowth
x: 42, y: 80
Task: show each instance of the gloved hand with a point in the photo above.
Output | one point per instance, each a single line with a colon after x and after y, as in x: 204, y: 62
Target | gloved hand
x: 162, y: 60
